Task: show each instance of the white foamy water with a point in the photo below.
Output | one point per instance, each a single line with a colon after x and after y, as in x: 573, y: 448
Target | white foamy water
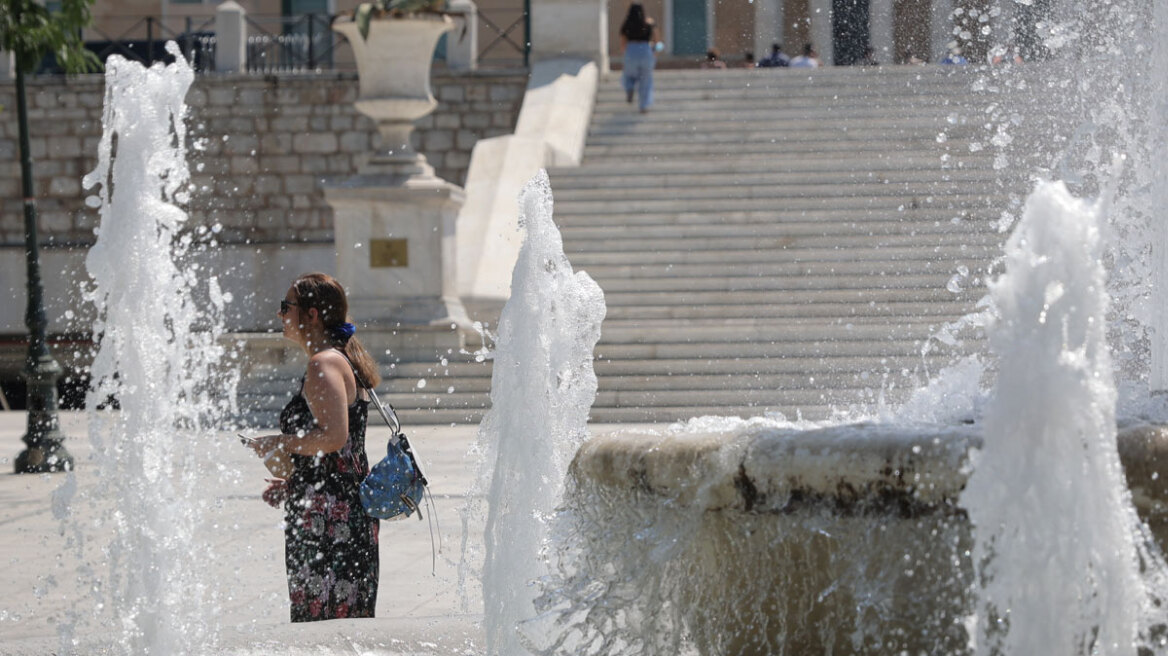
x: 1055, y: 529
x: 158, y: 355
x: 542, y: 388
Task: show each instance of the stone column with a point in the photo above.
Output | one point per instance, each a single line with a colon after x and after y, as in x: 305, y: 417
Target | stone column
x: 941, y: 33
x: 711, y: 24
x: 573, y: 29
x: 230, y: 38
x: 882, y: 28
x: 462, y: 43
x: 768, y: 27
x: 1002, y: 28
x: 821, y: 31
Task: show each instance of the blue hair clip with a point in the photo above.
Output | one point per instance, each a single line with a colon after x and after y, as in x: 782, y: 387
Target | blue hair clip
x: 343, y: 332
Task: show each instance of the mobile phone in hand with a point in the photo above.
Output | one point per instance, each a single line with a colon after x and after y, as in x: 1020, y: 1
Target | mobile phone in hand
x: 245, y: 440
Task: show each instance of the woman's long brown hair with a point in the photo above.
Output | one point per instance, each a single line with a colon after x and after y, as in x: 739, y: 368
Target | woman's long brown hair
x: 325, y: 293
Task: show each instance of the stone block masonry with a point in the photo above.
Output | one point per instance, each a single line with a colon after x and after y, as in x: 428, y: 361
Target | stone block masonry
x: 260, y: 148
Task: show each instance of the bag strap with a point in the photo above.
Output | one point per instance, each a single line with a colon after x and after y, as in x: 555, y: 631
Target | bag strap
x: 391, y: 420
x: 390, y: 416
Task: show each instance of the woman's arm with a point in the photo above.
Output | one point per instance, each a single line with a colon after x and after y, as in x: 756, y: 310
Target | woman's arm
x: 325, y: 391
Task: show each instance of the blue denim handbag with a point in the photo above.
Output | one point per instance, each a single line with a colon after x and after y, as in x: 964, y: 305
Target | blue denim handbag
x: 395, y: 486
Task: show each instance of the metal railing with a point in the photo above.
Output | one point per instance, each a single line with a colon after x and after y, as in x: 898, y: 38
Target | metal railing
x: 281, y: 44
x: 291, y: 44
x: 501, y: 44
x: 143, y: 40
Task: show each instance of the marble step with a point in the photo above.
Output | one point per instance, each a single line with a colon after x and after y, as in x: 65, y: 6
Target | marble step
x: 614, y: 111
x: 919, y: 216
x: 955, y: 229
x: 762, y: 156
x: 601, y: 204
x: 936, y: 187
x: 792, y: 92
x: 780, y: 136
x: 634, y: 245
x: 884, y: 310
x: 780, y: 133
x: 772, y: 332
x: 603, y: 273
x: 857, y: 297
x: 606, y: 368
x: 769, y: 398
x: 894, y: 161
x: 652, y: 179
x: 780, y: 284
x: 669, y: 148
x: 806, y: 380
x: 793, y: 349
x: 879, y: 253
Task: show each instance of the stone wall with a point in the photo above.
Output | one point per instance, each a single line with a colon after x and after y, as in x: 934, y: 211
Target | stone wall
x: 260, y: 149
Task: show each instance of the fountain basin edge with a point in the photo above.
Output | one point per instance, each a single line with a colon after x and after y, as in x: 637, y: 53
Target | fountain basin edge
x: 773, y: 540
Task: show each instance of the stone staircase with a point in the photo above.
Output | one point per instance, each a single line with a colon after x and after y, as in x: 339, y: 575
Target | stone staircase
x: 767, y: 240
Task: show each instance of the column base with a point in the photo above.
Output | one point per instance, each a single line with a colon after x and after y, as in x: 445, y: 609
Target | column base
x: 47, y: 457
x: 395, y: 244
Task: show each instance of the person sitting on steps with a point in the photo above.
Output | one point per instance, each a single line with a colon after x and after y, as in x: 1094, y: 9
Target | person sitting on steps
x: 777, y: 58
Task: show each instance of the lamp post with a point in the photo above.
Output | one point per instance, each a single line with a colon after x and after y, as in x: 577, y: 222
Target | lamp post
x: 45, y: 452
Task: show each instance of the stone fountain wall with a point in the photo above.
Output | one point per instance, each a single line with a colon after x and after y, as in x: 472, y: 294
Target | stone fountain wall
x: 266, y: 144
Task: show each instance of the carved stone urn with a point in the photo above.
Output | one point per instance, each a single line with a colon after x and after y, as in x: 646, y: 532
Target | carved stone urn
x: 393, y: 65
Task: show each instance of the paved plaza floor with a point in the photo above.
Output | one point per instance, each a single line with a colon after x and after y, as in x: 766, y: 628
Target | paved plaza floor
x: 420, y: 609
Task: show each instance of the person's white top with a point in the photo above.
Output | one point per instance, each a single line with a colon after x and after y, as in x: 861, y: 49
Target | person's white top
x: 803, y: 61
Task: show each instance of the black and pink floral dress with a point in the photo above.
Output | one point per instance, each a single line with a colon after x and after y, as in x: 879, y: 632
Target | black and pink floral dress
x: 330, y: 544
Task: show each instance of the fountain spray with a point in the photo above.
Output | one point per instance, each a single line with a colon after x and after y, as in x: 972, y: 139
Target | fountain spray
x: 159, y: 321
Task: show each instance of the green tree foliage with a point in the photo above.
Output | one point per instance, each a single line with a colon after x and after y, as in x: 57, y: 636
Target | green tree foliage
x: 30, y: 31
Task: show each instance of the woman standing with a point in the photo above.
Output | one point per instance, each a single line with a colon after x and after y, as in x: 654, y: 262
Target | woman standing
x: 638, y: 36
x: 330, y: 544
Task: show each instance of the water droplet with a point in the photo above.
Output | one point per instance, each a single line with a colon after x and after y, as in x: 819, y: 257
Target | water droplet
x: 421, y: 383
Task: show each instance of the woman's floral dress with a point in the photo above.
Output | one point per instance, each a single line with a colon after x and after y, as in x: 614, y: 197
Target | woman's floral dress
x: 330, y: 544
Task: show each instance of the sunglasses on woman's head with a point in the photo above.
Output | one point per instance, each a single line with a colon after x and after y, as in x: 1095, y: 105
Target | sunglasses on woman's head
x: 285, y: 304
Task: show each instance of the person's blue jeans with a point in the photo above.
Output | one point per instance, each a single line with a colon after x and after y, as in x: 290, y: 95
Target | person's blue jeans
x: 638, y: 72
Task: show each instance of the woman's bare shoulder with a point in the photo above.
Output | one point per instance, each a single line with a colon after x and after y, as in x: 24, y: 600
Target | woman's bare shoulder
x: 328, y: 359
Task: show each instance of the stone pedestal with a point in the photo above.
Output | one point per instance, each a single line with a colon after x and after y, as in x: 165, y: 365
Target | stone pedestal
x: 394, y: 222
x: 396, y: 250
x: 231, y: 38
x: 574, y: 29
x: 462, y: 43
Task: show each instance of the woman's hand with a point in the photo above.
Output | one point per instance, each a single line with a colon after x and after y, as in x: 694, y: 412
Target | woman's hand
x: 276, y: 493
x: 264, y: 446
